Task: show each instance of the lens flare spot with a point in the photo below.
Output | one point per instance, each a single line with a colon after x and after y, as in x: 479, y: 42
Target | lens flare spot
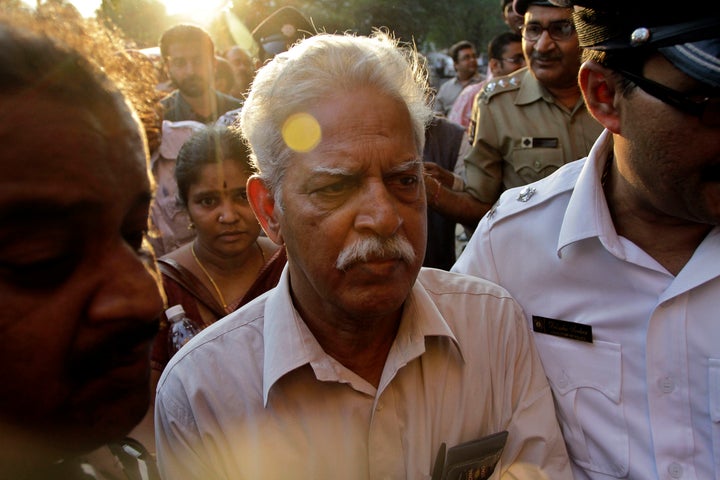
x: 301, y: 132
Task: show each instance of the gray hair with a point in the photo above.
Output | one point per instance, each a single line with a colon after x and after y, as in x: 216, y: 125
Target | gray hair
x: 316, y: 67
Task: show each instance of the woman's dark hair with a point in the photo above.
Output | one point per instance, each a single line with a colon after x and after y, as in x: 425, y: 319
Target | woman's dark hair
x: 209, y: 146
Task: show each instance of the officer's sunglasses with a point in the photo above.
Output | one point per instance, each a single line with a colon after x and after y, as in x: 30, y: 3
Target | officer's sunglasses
x: 707, y: 109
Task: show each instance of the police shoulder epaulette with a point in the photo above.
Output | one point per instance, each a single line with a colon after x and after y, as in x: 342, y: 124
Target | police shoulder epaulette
x: 499, y: 85
x: 510, y: 203
x: 519, y: 199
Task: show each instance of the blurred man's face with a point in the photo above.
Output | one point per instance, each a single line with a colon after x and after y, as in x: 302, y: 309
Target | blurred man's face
x: 191, y: 67
x: 466, y: 65
x: 511, y: 18
x: 512, y: 60
x: 243, y: 68
x: 79, y: 296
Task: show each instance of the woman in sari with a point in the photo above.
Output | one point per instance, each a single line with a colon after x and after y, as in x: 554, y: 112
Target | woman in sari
x: 229, y: 262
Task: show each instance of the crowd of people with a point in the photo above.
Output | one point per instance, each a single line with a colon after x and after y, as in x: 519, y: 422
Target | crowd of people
x: 301, y: 205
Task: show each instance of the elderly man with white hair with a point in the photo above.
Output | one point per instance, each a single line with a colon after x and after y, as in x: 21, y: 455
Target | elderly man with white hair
x: 359, y: 363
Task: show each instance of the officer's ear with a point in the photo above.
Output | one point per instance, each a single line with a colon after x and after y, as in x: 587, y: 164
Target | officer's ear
x: 598, y: 85
x: 262, y: 202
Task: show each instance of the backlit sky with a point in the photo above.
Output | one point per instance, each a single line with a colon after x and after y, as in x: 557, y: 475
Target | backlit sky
x: 190, y: 7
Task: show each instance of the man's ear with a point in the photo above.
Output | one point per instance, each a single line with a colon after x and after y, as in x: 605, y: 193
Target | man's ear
x: 494, y: 67
x: 263, y: 205
x: 599, y: 89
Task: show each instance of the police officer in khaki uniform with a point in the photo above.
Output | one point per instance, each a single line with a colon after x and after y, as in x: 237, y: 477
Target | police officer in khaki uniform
x: 528, y: 124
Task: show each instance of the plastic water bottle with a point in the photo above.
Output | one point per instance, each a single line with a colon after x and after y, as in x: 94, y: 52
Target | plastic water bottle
x: 181, y: 328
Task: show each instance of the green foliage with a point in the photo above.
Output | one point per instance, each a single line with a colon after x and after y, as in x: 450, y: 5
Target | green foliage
x: 141, y: 21
x: 430, y: 24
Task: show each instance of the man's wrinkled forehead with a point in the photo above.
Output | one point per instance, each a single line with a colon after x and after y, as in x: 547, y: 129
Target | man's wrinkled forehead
x: 345, y: 170
x: 46, y: 128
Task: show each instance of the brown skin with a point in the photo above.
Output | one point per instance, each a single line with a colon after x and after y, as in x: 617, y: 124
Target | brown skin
x: 663, y: 189
x: 499, y: 67
x: 466, y: 65
x: 243, y: 69
x: 511, y: 18
x: 191, y: 67
x: 79, y: 290
x: 554, y: 63
x: 227, y: 231
x: 461, y: 206
x: 368, y: 137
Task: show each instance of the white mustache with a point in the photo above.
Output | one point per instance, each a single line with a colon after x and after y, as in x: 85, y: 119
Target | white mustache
x: 378, y: 248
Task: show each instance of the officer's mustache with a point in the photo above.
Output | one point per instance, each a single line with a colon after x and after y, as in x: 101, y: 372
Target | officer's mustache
x: 376, y: 248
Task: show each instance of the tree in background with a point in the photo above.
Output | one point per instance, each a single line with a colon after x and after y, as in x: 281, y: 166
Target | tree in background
x: 142, y: 21
x: 432, y: 25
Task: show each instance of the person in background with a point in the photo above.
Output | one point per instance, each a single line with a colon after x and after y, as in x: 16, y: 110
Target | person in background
x: 446, y: 146
x: 512, y: 19
x: 506, y: 56
x: 79, y: 289
x: 224, y: 76
x: 616, y: 258
x: 243, y: 66
x: 228, y: 263
x: 526, y: 125
x: 169, y: 220
x: 464, y: 58
x: 281, y: 29
x: 359, y: 361
x: 274, y: 35
x: 188, y: 53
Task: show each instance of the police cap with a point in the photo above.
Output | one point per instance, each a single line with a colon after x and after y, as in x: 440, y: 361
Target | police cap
x: 687, y: 35
x: 280, y: 30
x: 521, y: 6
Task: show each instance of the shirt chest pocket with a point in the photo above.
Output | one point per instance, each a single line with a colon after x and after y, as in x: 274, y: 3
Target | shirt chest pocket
x: 587, y: 383
x: 534, y: 163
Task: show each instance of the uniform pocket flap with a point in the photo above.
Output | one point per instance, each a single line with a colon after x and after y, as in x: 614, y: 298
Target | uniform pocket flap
x: 570, y: 365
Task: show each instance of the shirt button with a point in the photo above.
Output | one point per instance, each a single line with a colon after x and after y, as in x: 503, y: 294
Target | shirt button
x: 675, y: 470
x: 537, y: 163
x: 667, y: 385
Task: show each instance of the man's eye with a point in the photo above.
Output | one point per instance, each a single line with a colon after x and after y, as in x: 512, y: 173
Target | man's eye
x: 405, y: 187
x: 408, y: 180
x: 333, y: 189
x: 39, y: 273
x: 404, y: 181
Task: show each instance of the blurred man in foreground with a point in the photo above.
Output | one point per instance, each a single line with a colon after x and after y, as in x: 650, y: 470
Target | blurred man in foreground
x: 79, y: 294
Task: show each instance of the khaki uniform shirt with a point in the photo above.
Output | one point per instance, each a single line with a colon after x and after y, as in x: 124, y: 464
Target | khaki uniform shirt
x: 520, y: 134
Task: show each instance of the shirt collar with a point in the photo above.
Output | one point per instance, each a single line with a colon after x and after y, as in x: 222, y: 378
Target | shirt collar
x: 289, y: 344
x: 587, y: 214
x: 531, y: 90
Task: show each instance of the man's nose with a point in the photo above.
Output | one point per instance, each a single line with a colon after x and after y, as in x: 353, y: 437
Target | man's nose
x: 377, y: 210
